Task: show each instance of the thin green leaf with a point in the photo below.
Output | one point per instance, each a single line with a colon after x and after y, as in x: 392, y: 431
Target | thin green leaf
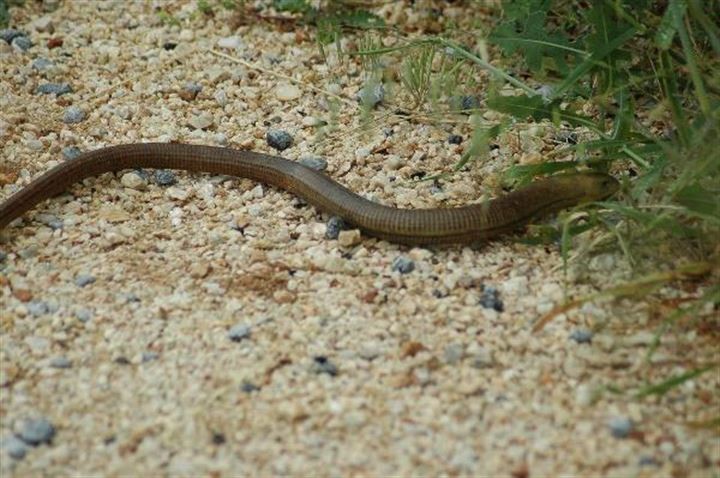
x: 699, y: 200
x: 665, y: 386
x: 593, y: 60
x: 667, y: 30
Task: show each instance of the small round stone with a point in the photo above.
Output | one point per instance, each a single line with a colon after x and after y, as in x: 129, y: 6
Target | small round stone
x: 403, y: 265
x: 149, y: 356
x: 230, y: 43
x: 35, y: 431
x: 470, y: 102
x: 333, y: 227
x: 349, y: 238
x: 60, y: 362
x: 372, y: 95
x: 38, y: 308
x: 455, y: 139
x: 9, y: 34
x: 322, y: 364
x: 249, y: 387
x: 14, y: 447
x: 71, y: 152
x: 467, y: 102
x: 81, y: 280
x: 22, y: 43
x: 41, y: 64
x: 3, y: 256
x: 84, y: 315
x: 279, y: 139
x: 313, y: 162
x: 53, y: 89
x: 50, y: 220
x: 287, y: 92
x: 133, y: 180
x: 201, y: 121
x: 490, y: 299
x: 239, y: 332
x: 581, y: 336
x: 165, y: 177
x: 620, y: 427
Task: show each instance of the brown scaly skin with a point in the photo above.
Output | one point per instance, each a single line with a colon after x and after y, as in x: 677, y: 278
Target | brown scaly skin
x: 467, y: 224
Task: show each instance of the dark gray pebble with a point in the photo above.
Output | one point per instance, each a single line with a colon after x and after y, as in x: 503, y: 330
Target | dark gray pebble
x: 144, y: 175
x: 648, y: 461
x: 566, y: 136
x: 71, y: 152
x: 14, y: 447
x: 81, y: 280
x: 60, y: 362
x: 239, y: 332
x: 9, y: 34
x: 218, y: 438
x: 3, y: 256
x: 41, y: 64
x: 84, y: 315
x: 35, y: 431
x: 168, y: 45
x: 249, y: 387
x: 22, y: 43
x: 38, y: 307
x: 53, y: 89
x: 372, y: 95
x: 403, y: 265
x: 279, y: 139
x: 321, y: 364
x: 468, y: 102
x: 312, y: 162
x: 149, y: 356
x: 165, y: 177
x: 490, y: 299
x: 455, y: 139
x: 73, y: 115
x: 333, y: 227
x: 581, y: 336
x: 620, y: 427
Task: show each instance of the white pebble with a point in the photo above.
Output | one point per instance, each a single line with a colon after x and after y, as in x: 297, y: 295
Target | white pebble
x: 230, y: 43
x: 201, y: 121
x: 177, y: 193
x: 287, y: 92
x: 133, y: 180
x: 221, y: 97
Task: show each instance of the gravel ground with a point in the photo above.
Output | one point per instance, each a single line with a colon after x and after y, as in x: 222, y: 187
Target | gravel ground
x: 159, y: 323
